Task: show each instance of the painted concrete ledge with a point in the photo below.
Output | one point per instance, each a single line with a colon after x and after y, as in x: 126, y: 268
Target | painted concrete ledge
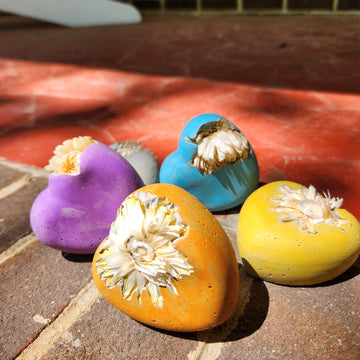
x: 291, y: 84
x: 50, y: 308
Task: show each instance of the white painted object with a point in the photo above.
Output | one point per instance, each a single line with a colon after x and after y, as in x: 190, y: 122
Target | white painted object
x: 74, y: 13
x: 143, y: 161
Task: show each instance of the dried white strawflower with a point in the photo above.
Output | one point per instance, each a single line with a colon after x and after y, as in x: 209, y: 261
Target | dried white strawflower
x: 127, y: 148
x: 307, y: 207
x: 66, y: 159
x: 139, y: 254
x: 219, y: 144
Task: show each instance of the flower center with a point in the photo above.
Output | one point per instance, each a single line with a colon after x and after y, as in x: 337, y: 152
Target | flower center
x: 311, y: 208
x: 69, y: 163
x: 307, y: 207
x: 140, y: 250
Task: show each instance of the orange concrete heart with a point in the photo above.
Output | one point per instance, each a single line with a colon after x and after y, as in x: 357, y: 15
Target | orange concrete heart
x: 167, y: 262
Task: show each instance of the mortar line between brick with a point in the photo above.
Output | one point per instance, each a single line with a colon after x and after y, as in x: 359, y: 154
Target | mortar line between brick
x: 15, y: 186
x: 77, y: 308
x: 17, y: 247
x: 32, y: 170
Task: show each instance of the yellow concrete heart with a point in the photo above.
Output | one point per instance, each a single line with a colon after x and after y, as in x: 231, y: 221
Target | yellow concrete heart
x: 167, y: 262
x: 291, y: 234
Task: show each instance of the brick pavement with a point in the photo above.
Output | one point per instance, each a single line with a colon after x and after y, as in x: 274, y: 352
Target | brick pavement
x: 50, y: 308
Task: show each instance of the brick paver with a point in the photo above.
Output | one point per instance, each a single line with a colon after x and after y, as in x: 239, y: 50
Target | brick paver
x: 50, y: 309
x: 14, y: 210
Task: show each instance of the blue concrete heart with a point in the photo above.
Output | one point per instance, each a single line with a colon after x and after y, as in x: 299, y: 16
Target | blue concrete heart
x: 214, y: 162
